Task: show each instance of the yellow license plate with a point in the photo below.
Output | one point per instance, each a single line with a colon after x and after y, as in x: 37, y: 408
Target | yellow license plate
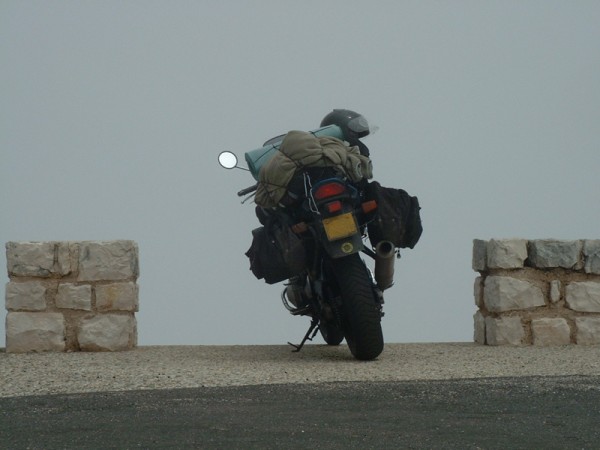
x: 339, y: 227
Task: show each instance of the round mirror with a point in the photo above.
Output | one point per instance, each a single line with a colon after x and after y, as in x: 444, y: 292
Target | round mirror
x: 227, y: 160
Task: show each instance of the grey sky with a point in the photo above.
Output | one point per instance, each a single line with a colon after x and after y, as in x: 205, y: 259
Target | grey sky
x: 113, y: 114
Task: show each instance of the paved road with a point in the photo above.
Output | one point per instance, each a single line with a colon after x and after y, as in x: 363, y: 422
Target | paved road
x: 524, y: 412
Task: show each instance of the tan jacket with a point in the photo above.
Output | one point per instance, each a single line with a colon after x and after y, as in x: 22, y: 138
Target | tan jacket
x: 301, y: 149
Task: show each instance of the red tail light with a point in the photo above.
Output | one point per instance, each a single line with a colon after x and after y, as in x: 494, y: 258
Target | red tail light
x: 335, y: 206
x: 299, y: 228
x: 329, y: 190
x: 369, y: 206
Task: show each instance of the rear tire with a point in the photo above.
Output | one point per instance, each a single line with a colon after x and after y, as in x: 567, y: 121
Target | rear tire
x: 361, y: 312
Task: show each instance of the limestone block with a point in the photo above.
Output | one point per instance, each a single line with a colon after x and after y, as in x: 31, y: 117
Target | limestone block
x: 551, y: 253
x: 72, y: 296
x: 506, y: 294
x: 478, y: 292
x: 33, y: 259
x: 479, y: 334
x: 117, y: 297
x: 583, y: 296
x: 107, y: 332
x: 591, y: 256
x: 550, y: 331
x: 479, y: 255
x: 555, y: 291
x: 34, y: 332
x: 506, y: 253
x: 504, y: 331
x: 588, y: 330
x: 27, y: 296
x: 108, y: 260
x: 67, y: 255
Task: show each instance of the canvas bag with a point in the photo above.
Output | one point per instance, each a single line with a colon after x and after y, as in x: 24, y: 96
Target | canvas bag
x: 397, y: 218
x: 276, y: 253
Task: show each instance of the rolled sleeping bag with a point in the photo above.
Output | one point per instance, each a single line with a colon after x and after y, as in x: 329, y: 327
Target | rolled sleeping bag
x: 259, y: 157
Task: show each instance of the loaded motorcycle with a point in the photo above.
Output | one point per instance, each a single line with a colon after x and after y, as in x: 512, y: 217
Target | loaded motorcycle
x: 315, y: 222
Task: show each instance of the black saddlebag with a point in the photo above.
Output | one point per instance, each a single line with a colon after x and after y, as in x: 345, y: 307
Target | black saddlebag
x: 397, y: 218
x: 276, y: 253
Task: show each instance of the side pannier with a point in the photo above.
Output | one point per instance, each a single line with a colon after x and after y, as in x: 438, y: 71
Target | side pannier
x: 397, y: 218
x: 276, y: 253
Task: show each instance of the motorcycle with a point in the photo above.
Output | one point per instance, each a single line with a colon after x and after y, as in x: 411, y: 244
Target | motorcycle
x: 314, y: 240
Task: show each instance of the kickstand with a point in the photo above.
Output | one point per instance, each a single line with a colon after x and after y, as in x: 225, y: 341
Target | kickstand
x: 307, y: 336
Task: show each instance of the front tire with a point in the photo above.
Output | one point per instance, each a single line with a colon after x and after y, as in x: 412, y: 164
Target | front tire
x: 331, y: 333
x: 361, y: 312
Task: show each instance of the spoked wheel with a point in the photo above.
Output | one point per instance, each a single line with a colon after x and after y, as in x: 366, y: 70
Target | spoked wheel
x: 361, y: 312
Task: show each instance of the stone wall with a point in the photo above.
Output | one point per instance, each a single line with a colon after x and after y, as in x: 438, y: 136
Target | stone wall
x: 540, y: 292
x: 71, y: 296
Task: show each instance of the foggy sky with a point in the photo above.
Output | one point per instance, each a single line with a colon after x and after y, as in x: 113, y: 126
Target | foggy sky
x: 113, y: 114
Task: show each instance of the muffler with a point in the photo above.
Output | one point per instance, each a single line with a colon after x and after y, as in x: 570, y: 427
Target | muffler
x: 385, y: 252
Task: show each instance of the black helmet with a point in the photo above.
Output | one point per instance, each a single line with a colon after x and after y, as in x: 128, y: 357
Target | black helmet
x: 353, y: 125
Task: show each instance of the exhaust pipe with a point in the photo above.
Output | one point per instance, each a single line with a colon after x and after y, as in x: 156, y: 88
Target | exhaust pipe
x: 385, y: 252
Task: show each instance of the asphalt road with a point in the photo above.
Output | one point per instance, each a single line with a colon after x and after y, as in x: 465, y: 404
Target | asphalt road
x: 485, y: 413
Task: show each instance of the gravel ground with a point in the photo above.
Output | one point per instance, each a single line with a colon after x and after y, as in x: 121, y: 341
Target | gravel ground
x: 169, y: 367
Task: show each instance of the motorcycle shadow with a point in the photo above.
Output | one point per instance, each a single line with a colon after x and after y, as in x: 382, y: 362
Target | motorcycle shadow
x: 285, y: 353
x: 324, y: 352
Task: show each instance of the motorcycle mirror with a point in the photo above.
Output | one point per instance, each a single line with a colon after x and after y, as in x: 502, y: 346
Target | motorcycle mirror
x: 228, y: 160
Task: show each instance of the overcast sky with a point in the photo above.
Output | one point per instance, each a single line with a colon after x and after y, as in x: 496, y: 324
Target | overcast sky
x: 112, y: 114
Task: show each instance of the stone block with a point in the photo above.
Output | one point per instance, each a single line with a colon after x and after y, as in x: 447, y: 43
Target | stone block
x: 583, y: 296
x: 34, y: 332
x: 108, y: 332
x: 117, y: 297
x: 108, y: 260
x: 591, y: 256
x: 479, y: 255
x: 504, y: 331
x: 588, y: 330
x: 66, y: 257
x: 555, y: 291
x: 507, y: 294
x: 478, y: 292
x: 506, y: 253
x: 27, y: 296
x: 72, y: 296
x: 30, y: 259
x: 550, y: 331
x: 551, y: 253
x: 479, y: 334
